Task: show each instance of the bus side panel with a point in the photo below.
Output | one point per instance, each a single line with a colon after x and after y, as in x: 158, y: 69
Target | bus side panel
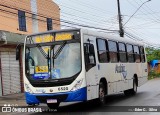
x: 131, y: 70
x: 111, y: 88
x: 107, y: 70
x: 144, y: 77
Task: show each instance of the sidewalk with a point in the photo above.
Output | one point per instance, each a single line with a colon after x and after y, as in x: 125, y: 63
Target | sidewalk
x: 18, y: 96
x: 18, y: 99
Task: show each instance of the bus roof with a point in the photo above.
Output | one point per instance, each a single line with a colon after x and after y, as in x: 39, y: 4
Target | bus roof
x: 94, y: 33
x: 111, y: 37
x: 52, y: 31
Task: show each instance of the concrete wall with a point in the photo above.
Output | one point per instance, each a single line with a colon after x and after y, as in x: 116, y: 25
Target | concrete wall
x: 45, y: 8
x: 9, y: 24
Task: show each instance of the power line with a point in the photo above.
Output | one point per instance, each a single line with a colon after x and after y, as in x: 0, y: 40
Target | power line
x: 144, y: 40
x: 43, y: 15
x: 135, y: 12
x: 44, y: 6
x: 146, y: 24
x: 150, y: 17
x: 89, y: 6
x: 65, y: 21
x: 15, y: 14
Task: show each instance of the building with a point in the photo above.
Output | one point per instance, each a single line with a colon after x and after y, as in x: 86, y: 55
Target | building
x: 17, y: 19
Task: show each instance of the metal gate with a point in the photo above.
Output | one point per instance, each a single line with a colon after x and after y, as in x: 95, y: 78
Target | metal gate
x: 10, y: 73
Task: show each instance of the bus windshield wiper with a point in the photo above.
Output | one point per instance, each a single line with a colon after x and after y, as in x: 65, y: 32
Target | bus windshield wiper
x: 59, y: 50
x: 40, y: 48
x: 42, y: 51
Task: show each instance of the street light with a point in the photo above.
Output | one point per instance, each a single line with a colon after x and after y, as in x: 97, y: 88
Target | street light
x: 136, y: 11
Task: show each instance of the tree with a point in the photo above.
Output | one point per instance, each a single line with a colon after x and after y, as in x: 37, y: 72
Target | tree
x: 152, y: 54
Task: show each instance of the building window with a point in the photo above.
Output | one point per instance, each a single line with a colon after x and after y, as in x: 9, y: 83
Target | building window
x: 130, y: 53
x: 122, y: 52
x: 113, y: 54
x: 49, y: 24
x: 22, y: 20
x: 102, y: 51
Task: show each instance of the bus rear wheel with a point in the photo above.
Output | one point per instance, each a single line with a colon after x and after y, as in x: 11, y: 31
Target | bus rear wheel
x: 134, y: 89
x: 53, y: 105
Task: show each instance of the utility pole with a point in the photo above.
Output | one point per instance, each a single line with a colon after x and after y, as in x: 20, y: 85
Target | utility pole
x: 121, y: 31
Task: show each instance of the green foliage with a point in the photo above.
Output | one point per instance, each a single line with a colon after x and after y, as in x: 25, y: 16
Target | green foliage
x: 152, y: 74
x: 152, y: 54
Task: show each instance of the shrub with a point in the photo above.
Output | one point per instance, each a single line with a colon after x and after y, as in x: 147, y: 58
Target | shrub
x: 152, y: 74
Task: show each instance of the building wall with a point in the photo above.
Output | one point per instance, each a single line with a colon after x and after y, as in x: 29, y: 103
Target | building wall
x: 50, y: 10
x: 45, y: 9
x: 9, y: 24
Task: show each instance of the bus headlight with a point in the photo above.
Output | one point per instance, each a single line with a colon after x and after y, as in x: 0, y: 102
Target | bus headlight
x: 77, y: 85
x: 28, y: 89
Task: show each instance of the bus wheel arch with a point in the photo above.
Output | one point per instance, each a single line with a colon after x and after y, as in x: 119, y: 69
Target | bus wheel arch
x: 102, y: 91
x: 104, y: 81
x: 132, y: 91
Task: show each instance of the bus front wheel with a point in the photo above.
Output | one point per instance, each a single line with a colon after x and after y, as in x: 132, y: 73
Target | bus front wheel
x: 53, y: 105
x: 101, y: 100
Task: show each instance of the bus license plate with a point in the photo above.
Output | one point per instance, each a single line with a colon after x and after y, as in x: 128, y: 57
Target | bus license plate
x: 51, y: 100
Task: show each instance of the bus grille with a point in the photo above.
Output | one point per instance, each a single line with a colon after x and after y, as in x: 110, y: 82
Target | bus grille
x: 60, y: 98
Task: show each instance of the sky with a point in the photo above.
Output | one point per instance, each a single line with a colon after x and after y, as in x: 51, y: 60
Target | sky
x: 103, y: 14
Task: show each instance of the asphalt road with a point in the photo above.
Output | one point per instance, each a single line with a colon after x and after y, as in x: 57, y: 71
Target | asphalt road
x: 148, y: 95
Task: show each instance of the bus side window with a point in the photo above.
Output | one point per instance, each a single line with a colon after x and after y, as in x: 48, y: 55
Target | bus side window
x: 113, y: 52
x: 130, y: 53
x: 102, y: 50
x: 137, y: 54
x: 89, y: 54
x: 122, y: 52
x: 142, y: 54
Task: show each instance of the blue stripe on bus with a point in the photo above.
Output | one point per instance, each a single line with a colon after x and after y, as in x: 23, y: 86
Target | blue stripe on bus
x: 31, y: 99
x: 78, y: 95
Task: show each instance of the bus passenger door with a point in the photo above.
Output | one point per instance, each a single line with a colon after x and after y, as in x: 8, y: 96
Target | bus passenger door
x: 91, y: 71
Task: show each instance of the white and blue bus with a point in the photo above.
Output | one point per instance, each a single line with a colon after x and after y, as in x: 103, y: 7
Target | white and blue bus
x: 80, y: 65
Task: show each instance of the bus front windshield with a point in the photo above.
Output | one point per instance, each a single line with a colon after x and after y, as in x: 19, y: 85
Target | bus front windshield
x: 53, y: 62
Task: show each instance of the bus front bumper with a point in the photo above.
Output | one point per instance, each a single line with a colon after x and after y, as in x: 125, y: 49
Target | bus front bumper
x: 78, y: 95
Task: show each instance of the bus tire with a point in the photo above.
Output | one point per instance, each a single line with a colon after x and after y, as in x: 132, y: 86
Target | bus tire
x: 53, y: 105
x: 101, y: 100
x: 132, y: 91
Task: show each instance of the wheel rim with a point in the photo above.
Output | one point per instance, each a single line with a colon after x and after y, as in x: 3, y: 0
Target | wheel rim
x: 101, y: 94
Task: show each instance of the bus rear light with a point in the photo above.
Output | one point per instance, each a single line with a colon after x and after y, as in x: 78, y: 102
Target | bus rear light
x: 77, y: 85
